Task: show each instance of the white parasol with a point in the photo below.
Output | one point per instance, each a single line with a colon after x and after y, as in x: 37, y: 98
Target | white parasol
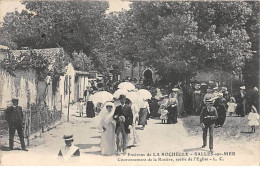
x: 101, y: 97
x: 134, y: 97
x: 126, y: 86
x: 144, y: 94
x: 120, y: 92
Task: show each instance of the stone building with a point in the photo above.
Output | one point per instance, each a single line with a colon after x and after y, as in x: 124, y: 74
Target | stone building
x: 139, y: 71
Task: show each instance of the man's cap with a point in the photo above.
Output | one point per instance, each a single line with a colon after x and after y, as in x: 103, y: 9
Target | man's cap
x: 68, y: 137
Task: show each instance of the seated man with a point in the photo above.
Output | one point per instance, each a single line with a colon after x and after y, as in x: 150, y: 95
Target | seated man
x: 69, y: 150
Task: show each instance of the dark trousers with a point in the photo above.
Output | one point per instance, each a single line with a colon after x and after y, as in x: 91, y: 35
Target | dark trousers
x: 121, y: 144
x: 205, y: 131
x: 19, y: 129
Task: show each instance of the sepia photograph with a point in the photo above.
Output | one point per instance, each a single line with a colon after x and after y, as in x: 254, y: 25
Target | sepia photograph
x: 129, y: 83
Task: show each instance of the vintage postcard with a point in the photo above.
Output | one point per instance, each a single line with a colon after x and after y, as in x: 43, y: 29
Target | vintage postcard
x: 129, y: 83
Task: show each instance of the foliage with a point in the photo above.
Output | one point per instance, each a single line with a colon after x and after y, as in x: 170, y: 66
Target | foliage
x: 81, y: 61
x: 32, y: 60
x: 180, y: 38
x: 176, y: 38
x: 73, y: 25
x: 26, y: 61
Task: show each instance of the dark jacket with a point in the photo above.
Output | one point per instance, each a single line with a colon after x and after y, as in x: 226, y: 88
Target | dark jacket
x: 208, y: 120
x: 14, y: 115
x: 125, y: 111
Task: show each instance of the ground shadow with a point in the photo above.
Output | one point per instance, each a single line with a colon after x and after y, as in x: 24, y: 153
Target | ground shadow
x: 246, y: 132
x: 95, y: 137
x: 93, y: 152
x: 164, y: 123
x: 194, y: 149
x: 139, y: 128
x: 93, y: 128
x: 86, y: 146
x: 4, y: 148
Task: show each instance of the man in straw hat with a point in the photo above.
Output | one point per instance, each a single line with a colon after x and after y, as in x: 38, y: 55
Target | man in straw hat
x: 14, y: 118
x: 69, y: 150
x: 207, y: 120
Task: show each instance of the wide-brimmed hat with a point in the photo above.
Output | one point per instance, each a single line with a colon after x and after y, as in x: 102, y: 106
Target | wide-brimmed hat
x: 209, y: 101
x: 224, y: 88
x: 68, y: 137
x: 175, y: 89
x: 243, y: 87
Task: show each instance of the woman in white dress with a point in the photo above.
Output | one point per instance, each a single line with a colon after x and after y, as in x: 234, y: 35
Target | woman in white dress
x: 107, y: 127
x: 133, y: 138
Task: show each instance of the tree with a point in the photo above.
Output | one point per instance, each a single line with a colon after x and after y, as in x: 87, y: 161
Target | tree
x: 251, y: 70
x: 180, y: 38
x: 73, y: 25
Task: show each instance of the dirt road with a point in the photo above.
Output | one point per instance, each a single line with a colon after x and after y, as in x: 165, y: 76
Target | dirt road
x: 160, y: 144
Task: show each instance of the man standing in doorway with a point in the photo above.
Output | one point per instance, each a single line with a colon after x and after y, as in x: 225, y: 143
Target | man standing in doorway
x: 14, y: 118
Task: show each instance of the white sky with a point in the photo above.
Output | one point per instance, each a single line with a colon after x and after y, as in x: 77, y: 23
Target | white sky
x: 12, y: 5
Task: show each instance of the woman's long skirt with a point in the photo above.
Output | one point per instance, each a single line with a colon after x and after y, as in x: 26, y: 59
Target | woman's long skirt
x: 241, y: 109
x: 108, y: 140
x: 90, y: 109
x: 172, y: 116
x: 143, y: 116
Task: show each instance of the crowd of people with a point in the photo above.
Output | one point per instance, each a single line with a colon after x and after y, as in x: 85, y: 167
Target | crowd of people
x: 117, y: 119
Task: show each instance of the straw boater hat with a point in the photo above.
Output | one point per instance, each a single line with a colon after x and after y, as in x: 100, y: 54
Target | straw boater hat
x: 209, y: 101
x: 175, y: 89
x: 68, y: 137
x: 215, y: 88
x: 243, y: 87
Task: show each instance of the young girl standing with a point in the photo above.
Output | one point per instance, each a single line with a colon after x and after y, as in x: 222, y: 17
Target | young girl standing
x: 231, y: 106
x: 253, y: 118
x: 164, y: 115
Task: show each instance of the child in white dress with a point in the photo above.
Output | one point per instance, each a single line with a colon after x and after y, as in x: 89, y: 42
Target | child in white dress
x: 80, y: 105
x: 253, y: 118
x: 164, y: 115
x: 231, y: 106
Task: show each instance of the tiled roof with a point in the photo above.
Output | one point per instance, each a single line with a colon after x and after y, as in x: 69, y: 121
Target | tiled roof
x: 49, y: 53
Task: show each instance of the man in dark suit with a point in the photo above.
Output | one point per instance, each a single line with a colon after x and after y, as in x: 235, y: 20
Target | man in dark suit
x: 208, y: 117
x: 124, y: 120
x: 14, y: 118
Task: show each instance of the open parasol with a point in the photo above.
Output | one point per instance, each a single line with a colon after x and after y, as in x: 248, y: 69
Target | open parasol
x: 126, y: 86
